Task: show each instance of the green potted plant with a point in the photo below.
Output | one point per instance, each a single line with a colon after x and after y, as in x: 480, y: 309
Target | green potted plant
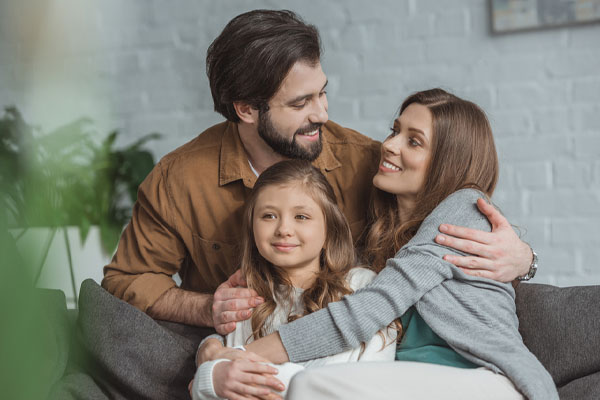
x: 66, y: 178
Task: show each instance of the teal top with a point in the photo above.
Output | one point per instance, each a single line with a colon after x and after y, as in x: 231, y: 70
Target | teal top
x: 420, y: 343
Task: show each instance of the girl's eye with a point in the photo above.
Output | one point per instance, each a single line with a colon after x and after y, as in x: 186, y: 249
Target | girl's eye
x: 301, y: 217
x: 268, y: 216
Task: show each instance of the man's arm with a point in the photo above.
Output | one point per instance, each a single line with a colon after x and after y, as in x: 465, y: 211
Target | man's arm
x: 230, y: 304
x: 183, y: 306
x: 500, y: 255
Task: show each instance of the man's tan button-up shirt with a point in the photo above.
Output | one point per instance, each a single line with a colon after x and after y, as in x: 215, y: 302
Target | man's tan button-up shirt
x: 188, y: 214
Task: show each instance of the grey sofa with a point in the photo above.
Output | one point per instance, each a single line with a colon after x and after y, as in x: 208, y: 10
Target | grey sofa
x: 112, y: 350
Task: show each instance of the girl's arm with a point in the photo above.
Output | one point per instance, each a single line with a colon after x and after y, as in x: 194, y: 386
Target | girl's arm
x: 247, y: 376
x: 356, y: 318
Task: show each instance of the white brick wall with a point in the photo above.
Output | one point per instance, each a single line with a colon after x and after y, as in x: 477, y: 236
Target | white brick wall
x: 139, y: 66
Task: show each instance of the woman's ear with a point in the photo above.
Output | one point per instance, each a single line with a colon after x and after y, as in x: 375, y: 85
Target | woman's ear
x: 246, y: 112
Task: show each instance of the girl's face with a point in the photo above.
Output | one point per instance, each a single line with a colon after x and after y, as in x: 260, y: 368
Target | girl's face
x: 289, y: 230
x: 405, y: 154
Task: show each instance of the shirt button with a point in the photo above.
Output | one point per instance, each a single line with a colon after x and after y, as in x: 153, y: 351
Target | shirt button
x: 216, y: 246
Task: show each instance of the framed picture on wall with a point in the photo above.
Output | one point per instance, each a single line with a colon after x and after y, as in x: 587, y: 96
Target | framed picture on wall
x: 518, y: 15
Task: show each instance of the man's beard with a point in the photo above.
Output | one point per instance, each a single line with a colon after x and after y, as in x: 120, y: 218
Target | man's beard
x: 291, y: 148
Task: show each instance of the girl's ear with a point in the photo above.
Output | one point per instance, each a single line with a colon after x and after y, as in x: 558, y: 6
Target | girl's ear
x: 246, y: 112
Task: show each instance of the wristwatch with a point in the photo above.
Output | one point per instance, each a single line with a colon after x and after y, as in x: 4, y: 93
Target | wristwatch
x: 532, y: 268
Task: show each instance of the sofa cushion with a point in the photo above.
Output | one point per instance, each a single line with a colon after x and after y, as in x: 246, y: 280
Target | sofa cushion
x: 122, y: 353
x: 560, y: 326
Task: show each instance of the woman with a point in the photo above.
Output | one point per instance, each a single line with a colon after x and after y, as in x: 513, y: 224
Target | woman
x: 438, y: 162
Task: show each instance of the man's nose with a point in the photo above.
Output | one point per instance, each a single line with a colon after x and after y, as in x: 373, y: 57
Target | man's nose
x: 319, y: 111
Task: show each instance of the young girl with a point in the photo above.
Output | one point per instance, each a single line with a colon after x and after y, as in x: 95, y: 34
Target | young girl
x: 461, y: 338
x: 297, y: 253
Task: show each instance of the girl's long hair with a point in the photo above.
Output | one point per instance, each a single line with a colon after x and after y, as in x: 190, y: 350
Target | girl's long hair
x: 463, y: 156
x: 337, y: 256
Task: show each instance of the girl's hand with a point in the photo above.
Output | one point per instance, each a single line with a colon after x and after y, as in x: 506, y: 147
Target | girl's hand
x: 213, y: 349
x: 245, y: 379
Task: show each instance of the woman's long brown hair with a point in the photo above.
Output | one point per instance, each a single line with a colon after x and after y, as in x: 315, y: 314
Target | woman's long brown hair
x: 337, y: 256
x: 463, y: 156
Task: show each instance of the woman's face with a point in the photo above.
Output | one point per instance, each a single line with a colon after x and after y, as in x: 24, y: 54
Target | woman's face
x: 405, y: 154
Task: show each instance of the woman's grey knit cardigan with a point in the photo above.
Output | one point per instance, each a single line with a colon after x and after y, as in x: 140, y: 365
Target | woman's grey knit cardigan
x: 476, y: 316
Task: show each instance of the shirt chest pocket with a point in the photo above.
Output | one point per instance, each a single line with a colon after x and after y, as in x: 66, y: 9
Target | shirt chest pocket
x: 215, y: 260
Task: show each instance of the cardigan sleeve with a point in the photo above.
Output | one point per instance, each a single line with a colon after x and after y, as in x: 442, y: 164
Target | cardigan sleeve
x: 417, y: 268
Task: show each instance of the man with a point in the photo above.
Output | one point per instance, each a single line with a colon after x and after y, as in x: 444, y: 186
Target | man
x: 266, y: 80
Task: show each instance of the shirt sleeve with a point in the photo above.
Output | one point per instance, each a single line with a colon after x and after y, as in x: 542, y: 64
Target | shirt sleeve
x: 417, y: 268
x: 202, y: 387
x: 150, y: 251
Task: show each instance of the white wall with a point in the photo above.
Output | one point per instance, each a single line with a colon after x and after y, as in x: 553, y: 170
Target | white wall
x: 139, y: 66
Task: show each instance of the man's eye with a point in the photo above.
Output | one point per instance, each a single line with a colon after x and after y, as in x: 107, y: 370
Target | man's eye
x: 299, y: 106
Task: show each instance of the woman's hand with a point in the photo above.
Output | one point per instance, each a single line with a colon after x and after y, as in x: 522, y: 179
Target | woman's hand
x: 245, y: 379
x: 499, y: 255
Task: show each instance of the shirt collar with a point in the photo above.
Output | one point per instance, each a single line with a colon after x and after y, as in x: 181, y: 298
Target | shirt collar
x: 234, y: 161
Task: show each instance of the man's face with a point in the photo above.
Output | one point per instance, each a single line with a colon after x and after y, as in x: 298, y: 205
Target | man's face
x: 292, y: 126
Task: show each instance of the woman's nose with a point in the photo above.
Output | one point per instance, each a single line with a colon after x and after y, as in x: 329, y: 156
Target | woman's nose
x: 393, y: 145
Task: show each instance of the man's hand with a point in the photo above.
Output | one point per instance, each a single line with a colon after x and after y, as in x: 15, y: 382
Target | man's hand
x: 232, y: 302
x: 244, y: 379
x: 499, y: 255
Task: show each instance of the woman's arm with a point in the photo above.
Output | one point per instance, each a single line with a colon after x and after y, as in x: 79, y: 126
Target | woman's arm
x: 356, y: 318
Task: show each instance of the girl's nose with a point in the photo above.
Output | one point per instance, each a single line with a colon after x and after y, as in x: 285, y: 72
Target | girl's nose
x: 283, y: 228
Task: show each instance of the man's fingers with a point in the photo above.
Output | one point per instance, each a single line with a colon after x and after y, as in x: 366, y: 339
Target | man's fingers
x: 223, y: 293
x: 466, y: 246
x: 470, y: 263
x: 237, y: 279
x: 482, y: 273
x: 226, y: 317
x: 225, y: 329
x: 239, y: 304
x: 465, y: 233
x: 492, y: 214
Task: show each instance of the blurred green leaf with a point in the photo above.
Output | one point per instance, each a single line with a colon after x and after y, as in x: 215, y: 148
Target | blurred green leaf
x: 66, y: 178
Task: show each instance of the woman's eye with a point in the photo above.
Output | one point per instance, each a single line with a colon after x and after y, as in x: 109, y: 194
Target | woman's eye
x: 414, y: 142
x: 393, y: 132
